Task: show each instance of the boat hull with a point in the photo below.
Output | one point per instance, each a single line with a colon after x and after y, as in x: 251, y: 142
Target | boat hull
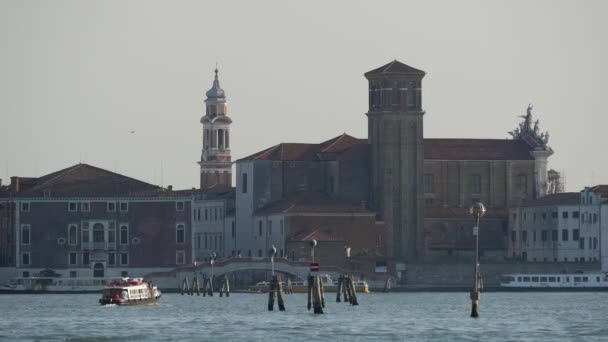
x: 128, y: 302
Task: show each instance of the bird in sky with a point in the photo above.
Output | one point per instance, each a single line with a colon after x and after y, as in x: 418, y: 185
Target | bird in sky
x: 133, y: 131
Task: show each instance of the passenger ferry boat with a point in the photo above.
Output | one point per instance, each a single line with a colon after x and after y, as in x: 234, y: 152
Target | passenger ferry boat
x: 556, y: 281
x: 301, y: 286
x: 129, y: 291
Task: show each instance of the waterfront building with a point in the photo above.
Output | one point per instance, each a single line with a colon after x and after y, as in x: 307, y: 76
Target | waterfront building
x: 563, y: 227
x: 84, y: 221
x: 412, y: 194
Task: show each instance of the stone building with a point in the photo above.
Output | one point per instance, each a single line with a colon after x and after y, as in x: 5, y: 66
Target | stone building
x: 84, y: 221
x: 417, y: 190
x: 563, y: 227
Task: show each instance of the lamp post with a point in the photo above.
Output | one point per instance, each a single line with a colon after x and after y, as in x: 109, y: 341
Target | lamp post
x: 273, y: 253
x: 477, y: 210
x: 313, y: 244
x: 213, y: 255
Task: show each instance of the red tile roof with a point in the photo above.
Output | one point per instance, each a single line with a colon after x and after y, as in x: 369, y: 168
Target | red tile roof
x: 346, y: 147
x: 316, y: 234
x: 86, y: 180
x: 476, y: 149
x: 562, y: 198
x: 311, y: 202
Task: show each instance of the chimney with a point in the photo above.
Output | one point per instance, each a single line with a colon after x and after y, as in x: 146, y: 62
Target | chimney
x: 14, y: 184
x: 170, y: 187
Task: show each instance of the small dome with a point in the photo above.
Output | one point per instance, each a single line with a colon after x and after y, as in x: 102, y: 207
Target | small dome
x: 216, y: 91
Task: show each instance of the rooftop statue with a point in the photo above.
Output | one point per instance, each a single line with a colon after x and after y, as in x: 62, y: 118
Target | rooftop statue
x: 530, y: 133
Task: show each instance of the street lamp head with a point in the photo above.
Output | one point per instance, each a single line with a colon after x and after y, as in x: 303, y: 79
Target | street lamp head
x: 273, y: 251
x: 313, y: 243
x: 477, y: 210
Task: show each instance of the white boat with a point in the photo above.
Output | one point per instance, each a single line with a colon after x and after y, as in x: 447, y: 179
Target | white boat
x: 555, y: 281
x: 129, y: 291
x: 54, y: 284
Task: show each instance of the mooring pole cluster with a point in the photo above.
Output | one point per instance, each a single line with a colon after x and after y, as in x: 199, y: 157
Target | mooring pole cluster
x: 275, y: 288
x: 477, y: 210
x: 207, y: 283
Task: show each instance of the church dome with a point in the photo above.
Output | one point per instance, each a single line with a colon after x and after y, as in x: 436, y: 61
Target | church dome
x: 216, y: 91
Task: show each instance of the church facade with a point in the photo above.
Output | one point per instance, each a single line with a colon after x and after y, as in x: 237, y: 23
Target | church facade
x: 405, y: 197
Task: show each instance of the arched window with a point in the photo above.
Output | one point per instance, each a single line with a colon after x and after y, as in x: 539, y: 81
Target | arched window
x: 124, y: 234
x: 98, y: 269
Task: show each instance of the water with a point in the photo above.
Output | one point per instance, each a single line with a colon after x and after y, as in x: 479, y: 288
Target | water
x: 244, y: 317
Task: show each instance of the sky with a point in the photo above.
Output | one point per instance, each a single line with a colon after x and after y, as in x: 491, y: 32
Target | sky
x: 77, y: 76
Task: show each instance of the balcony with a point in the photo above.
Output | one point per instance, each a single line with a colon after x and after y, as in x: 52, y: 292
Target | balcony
x: 98, y: 245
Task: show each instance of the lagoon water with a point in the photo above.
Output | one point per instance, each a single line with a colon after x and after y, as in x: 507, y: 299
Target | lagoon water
x: 567, y: 316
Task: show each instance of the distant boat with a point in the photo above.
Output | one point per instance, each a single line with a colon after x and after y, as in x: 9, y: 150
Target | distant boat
x: 555, y: 281
x: 53, y: 284
x: 129, y: 291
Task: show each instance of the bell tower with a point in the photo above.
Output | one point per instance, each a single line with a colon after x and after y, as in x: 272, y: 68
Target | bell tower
x: 215, y: 164
x: 395, y: 131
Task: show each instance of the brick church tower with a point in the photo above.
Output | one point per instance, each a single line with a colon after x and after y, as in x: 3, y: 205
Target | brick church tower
x: 395, y: 133
x: 215, y: 164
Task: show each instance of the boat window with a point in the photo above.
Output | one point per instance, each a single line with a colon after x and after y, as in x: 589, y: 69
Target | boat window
x: 507, y: 279
x: 597, y: 279
x: 585, y: 279
x: 526, y: 279
x: 577, y: 279
x: 519, y: 279
x: 534, y: 279
x: 552, y: 279
x: 543, y: 279
x: 568, y: 279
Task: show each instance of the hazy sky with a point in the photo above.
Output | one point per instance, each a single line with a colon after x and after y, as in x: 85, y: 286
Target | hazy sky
x: 77, y: 76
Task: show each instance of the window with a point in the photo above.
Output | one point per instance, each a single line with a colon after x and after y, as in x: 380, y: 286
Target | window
x: 85, y: 206
x: 244, y: 182
x: 111, y: 207
x: 594, y: 243
x: 249, y: 253
x: 25, y: 206
x: 581, y: 244
x: 206, y: 240
x: 124, y: 234
x: 513, y: 236
x: 72, y: 234
x: 475, y: 184
x: 25, y: 234
x: 543, y: 235
x: 179, y: 233
x: 85, y: 258
x: 575, y: 214
x: 514, y: 216
x: 521, y: 183
x: 554, y: 214
x: 524, y: 236
x: 179, y: 206
x: 564, y: 234
x: 594, y: 218
x: 428, y: 183
x: 281, y: 223
x: 85, y: 232
x: 259, y: 253
x: 25, y: 259
x: 544, y: 216
x: 565, y: 214
x: 260, y: 228
x: 575, y: 234
x: 72, y: 258
x: 98, y: 232
x: 206, y: 214
x: 554, y: 235
x: 583, y: 218
x: 111, y: 259
x: 111, y: 232
x: 233, y: 229
x: 124, y: 206
x: 180, y: 257
x: 72, y: 206
x: 269, y: 227
x: 124, y: 258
